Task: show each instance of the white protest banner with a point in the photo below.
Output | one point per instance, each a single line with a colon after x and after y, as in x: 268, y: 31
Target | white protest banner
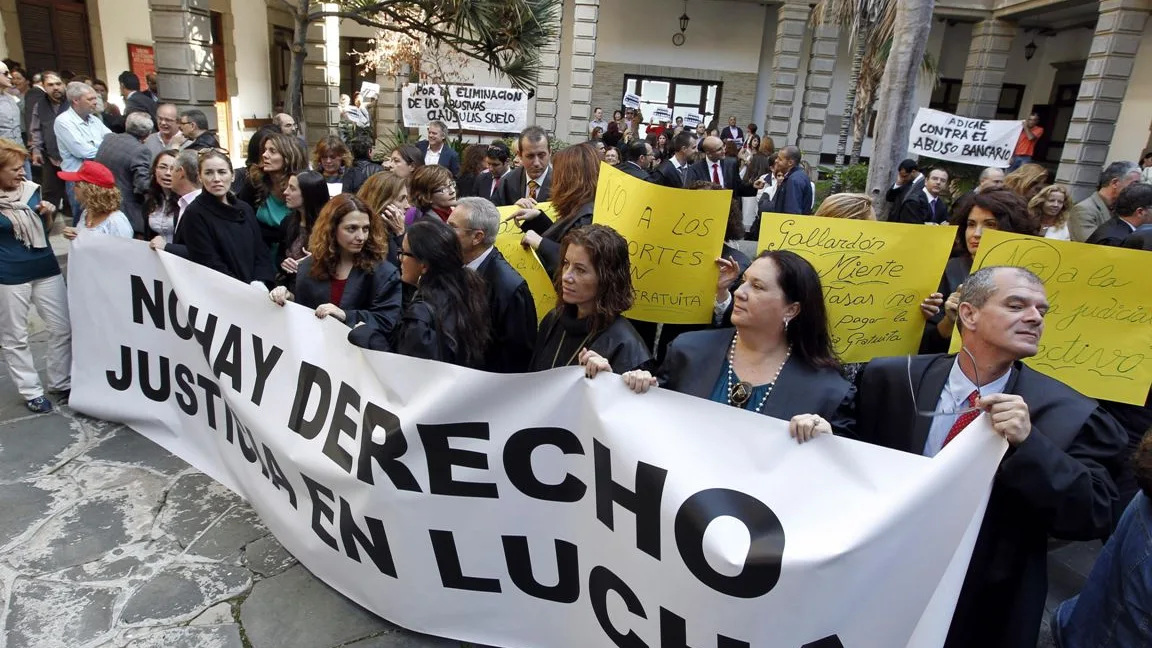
x: 692, y: 120
x: 524, y: 510
x: 949, y: 137
x: 494, y: 110
x: 661, y: 114
x: 631, y: 100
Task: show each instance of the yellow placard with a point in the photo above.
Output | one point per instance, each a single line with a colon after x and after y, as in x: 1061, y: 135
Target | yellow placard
x: 525, y: 260
x: 874, y: 274
x: 674, y: 237
x: 1098, y: 332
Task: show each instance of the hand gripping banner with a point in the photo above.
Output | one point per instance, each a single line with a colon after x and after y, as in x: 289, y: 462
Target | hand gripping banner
x: 529, y: 510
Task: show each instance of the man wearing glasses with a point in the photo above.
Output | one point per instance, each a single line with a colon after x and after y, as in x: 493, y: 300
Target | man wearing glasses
x: 168, y: 136
x: 714, y: 167
x: 194, y: 128
x: 1054, y: 479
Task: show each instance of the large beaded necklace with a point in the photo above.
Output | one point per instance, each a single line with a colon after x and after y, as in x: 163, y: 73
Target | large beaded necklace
x: 740, y: 392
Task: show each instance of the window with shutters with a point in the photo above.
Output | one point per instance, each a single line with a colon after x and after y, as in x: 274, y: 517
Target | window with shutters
x: 55, y: 35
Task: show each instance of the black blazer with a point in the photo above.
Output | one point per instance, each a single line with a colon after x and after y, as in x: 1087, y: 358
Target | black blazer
x: 729, y: 171
x: 667, y: 175
x: 634, y: 170
x: 1113, y: 232
x: 369, y: 297
x: 483, y: 185
x: 514, y: 186
x: 1057, y: 483
x: 355, y: 177
x: 554, y: 233
x: 140, y: 102
x: 726, y: 134
x: 513, y: 314
x: 695, y: 360
x: 896, y: 195
x: 448, y: 157
x: 1139, y: 240
x: 916, y: 210
x: 418, y: 335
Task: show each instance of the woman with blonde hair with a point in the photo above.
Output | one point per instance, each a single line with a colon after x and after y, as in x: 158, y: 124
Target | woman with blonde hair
x: 1050, y: 208
x: 30, y: 274
x: 347, y: 276
x: 97, y: 193
x: 573, y: 198
x: 852, y: 206
x: 386, y: 196
x: 1026, y: 181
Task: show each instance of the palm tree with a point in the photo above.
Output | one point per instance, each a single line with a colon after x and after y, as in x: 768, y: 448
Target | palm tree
x: 871, y: 74
x: 896, y: 109
x: 863, y: 18
x: 507, y: 35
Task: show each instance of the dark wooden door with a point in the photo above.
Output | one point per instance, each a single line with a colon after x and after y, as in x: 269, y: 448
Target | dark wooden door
x: 55, y: 35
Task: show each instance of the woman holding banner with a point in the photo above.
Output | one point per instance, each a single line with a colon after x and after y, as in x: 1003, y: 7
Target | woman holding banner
x: 593, y: 288
x: 998, y: 209
x: 448, y: 318
x: 573, y: 198
x: 347, y: 276
x: 777, y: 361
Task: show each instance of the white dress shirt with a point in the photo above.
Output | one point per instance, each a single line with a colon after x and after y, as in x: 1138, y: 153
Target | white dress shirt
x: 475, y: 263
x: 953, y: 399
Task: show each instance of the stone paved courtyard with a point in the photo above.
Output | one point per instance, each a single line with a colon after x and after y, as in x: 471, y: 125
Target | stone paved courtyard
x: 109, y: 541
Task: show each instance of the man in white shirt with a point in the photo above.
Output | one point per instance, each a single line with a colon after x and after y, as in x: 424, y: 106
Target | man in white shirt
x: 598, y: 121
x: 437, y: 151
x: 78, y: 134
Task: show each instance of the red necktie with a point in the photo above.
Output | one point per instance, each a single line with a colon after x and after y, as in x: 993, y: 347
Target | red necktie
x: 964, y: 419
x: 716, y: 173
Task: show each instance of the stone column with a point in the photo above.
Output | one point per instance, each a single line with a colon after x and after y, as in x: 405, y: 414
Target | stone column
x: 182, y: 32
x: 583, y: 68
x: 817, y: 89
x: 1110, y: 62
x: 321, y: 92
x: 389, y: 112
x: 791, y: 28
x: 547, y: 85
x: 984, y: 72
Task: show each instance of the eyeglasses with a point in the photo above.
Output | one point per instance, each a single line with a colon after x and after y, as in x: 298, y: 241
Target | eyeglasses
x: 403, y: 254
x: 955, y: 410
x: 446, y: 189
x: 185, y: 123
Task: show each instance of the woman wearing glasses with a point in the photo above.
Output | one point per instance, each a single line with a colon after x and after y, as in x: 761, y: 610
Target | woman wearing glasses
x: 332, y: 159
x: 347, y: 276
x: 160, y: 204
x: 777, y: 361
x: 447, y: 319
x: 433, y: 193
x: 221, y: 232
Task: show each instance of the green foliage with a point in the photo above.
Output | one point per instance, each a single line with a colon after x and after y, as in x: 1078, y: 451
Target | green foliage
x: 855, y: 178
x: 962, y: 178
x: 388, y: 140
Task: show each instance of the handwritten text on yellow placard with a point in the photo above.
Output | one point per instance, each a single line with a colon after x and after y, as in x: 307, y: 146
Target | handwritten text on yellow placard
x: 1098, y: 332
x: 674, y: 237
x: 874, y: 274
x: 525, y: 261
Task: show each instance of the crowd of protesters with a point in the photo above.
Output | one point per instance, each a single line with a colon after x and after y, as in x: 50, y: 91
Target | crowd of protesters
x: 402, y: 252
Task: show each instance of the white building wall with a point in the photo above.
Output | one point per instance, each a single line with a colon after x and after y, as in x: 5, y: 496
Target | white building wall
x: 121, y: 22
x: 1132, y: 128
x: 1038, y: 74
x: 253, y: 52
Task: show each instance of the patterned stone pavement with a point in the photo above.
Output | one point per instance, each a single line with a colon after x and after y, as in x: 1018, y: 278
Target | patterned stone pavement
x: 109, y: 541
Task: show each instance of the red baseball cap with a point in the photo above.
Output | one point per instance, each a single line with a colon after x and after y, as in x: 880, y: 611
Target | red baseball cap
x: 92, y: 173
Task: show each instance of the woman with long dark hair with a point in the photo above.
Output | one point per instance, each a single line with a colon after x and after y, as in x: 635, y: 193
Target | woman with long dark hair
x: 306, y: 194
x: 347, y: 276
x: 471, y: 166
x: 573, y: 198
x: 994, y: 209
x: 777, y: 361
x: 447, y: 319
x: 593, y: 289
x: 220, y: 231
x: 161, y: 206
x: 282, y: 158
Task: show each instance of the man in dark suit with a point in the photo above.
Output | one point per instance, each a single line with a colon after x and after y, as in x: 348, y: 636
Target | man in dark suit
x: 674, y: 171
x: 134, y: 100
x: 194, y: 128
x: 637, y: 160
x: 908, y: 179
x: 732, y: 131
x: 531, y: 182
x: 1141, y: 239
x: 925, y: 205
x: 1054, y: 479
x: 476, y: 222
x: 1133, y: 208
x: 436, y: 149
x: 794, y: 195
x: 130, y: 162
x: 496, y: 160
x: 717, y: 169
